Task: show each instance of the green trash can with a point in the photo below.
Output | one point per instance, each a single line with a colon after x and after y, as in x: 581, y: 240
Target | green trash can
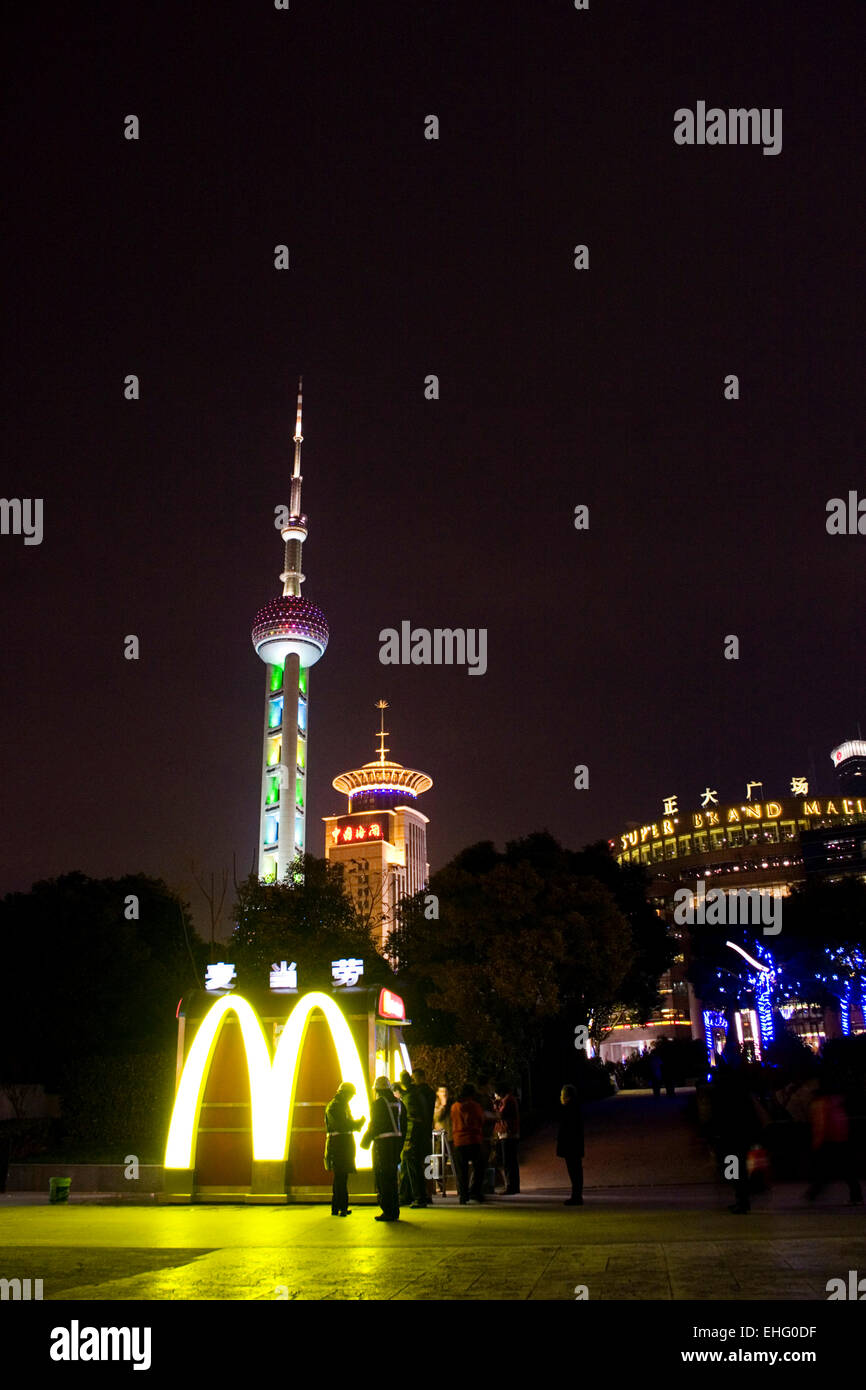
x: 58, y: 1189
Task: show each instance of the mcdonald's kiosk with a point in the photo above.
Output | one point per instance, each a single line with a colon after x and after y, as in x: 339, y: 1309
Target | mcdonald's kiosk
x: 254, y: 1075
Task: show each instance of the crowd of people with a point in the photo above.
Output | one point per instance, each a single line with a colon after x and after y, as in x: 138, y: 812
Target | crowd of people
x: 416, y: 1133
x: 478, y: 1130
x: 758, y: 1121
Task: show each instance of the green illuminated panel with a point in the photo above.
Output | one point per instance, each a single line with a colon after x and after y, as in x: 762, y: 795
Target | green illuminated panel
x: 299, y: 792
x: 273, y: 791
x: 302, y: 756
x: 276, y: 678
x: 303, y: 681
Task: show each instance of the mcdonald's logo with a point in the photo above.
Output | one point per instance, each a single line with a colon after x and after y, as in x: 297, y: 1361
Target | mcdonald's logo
x: 272, y: 1083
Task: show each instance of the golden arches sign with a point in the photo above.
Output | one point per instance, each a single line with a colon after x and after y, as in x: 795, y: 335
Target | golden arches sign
x: 272, y: 1084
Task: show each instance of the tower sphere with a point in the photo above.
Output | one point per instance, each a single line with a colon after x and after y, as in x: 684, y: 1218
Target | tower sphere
x: 290, y: 624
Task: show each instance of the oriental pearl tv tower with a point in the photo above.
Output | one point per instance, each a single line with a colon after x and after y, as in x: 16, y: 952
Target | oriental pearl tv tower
x: 289, y: 634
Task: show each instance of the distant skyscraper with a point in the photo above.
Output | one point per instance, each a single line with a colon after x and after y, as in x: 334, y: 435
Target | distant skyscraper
x: 849, y: 763
x: 289, y: 634
x: 381, y: 841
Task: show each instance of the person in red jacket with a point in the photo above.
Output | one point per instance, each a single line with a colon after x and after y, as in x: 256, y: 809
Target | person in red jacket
x: 467, y: 1128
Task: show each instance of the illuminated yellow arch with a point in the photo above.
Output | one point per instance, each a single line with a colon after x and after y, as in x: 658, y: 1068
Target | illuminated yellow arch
x: 285, y: 1070
x: 272, y: 1085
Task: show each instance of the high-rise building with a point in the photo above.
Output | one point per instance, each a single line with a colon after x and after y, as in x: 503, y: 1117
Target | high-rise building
x: 290, y: 634
x: 849, y: 765
x: 381, y: 840
x: 754, y: 849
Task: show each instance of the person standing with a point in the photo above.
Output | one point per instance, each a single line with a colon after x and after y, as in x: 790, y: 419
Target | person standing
x: 386, y: 1135
x: 833, y: 1155
x: 442, y: 1124
x: 484, y: 1096
x: 467, y: 1129
x: 428, y: 1098
x: 417, y: 1142
x: 655, y: 1066
x: 340, y: 1146
x: 419, y: 1076
x: 570, y: 1144
x: 508, y: 1134
x: 736, y: 1127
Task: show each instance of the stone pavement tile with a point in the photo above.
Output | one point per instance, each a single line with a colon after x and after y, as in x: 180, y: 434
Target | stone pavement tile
x: 627, y: 1294
x: 428, y: 1296
x: 760, y: 1292
x: 63, y: 1269
x: 256, y: 1274
x: 703, y: 1284
x: 446, y: 1288
x: 648, y: 1256
x: 577, y: 1265
x: 636, y: 1278
x: 778, y: 1283
x: 496, y: 1289
x: 557, y: 1293
x: 485, y: 1298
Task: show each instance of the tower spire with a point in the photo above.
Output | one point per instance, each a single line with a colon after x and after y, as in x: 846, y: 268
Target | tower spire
x: 382, y: 705
x: 298, y: 437
x: 294, y: 533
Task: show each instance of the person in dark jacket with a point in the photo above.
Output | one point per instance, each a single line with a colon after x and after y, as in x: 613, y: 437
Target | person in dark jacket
x: 385, y: 1133
x: 419, y: 1131
x: 340, y: 1146
x: 419, y: 1076
x: 508, y: 1135
x: 569, y: 1143
x: 736, y: 1127
x: 428, y: 1096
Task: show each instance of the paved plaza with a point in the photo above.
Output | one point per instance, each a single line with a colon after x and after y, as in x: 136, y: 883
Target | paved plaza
x: 666, y: 1234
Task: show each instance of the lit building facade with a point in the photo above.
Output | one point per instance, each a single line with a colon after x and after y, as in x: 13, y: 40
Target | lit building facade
x: 290, y: 634
x: 849, y: 765
x: 743, y: 846
x: 380, y: 841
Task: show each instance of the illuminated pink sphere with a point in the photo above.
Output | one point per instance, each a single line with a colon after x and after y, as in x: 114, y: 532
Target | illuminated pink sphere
x: 290, y: 624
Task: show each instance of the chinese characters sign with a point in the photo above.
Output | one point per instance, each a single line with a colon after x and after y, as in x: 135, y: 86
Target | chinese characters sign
x: 283, y: 978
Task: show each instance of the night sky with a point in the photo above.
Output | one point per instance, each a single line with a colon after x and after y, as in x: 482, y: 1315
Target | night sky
x: 558, y: 387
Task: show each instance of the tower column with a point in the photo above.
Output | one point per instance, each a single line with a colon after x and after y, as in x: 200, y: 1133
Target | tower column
x: 290, y: 634
x: 289, y: 779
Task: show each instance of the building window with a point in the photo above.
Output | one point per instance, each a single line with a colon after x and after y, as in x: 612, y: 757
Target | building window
x: 685, y: 844
x: 701, y: 842
x: 658, y: 851
x: 735, y: 834
x: 787, y: 830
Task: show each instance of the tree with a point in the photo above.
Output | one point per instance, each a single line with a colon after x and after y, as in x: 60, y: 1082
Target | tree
x: 528, y: 945
x: 92, y: 967
x: 818, y: 955
x: 309, y: 919
x: 823, y: 939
